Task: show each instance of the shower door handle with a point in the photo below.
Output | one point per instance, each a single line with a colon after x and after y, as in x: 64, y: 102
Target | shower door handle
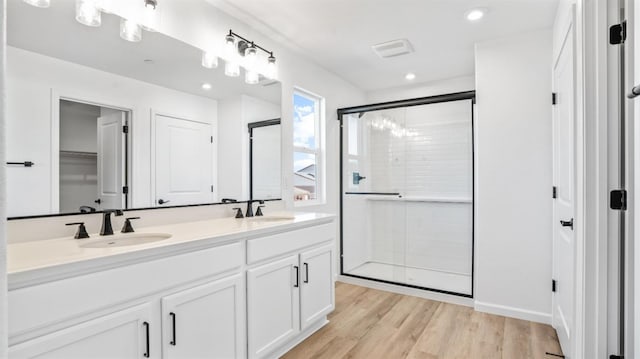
x: 357, y: 178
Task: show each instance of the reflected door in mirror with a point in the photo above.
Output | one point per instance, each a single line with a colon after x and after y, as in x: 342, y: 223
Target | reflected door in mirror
x: 184, y: 162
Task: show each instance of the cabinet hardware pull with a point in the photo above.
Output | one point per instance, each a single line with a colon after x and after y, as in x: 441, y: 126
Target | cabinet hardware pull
x: 173, y: 325
x: 306, y: 271
x: 146, y: 327
x: 297, y: 276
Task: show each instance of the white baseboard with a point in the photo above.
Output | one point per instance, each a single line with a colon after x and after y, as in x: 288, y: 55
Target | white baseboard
x: 399, y: 289
x: 512, y: 312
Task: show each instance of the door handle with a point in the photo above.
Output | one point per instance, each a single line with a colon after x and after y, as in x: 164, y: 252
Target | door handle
x: 173, y: 327
x: 98, y: 201
x: 162, y: 201
x: 568, y: 223
x: 146, y: 327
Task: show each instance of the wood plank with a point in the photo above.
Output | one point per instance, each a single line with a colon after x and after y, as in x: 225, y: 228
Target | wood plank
x: 370, y: 324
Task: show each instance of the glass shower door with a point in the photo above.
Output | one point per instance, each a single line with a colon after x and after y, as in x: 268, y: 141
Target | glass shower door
x: 407, y: 202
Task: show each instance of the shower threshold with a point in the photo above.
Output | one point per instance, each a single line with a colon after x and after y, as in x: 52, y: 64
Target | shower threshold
x: 426, y: 278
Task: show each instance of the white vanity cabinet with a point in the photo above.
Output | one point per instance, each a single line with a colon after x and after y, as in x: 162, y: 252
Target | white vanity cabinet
x: 123, y: 334
x: 288, y: 295
x: 253, y: 296
x: 205, y: 322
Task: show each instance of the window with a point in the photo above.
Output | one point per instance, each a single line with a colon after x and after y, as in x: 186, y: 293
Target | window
x: 307, y: 147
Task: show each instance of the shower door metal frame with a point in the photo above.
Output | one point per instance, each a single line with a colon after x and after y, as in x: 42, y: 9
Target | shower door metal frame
x: 451, y: 97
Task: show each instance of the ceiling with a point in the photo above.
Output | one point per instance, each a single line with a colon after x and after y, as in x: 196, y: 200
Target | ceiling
x: 338, y: 34
x: 54, y: 32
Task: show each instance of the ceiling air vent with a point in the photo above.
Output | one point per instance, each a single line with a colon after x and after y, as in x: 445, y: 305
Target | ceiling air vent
x: 393, y: 48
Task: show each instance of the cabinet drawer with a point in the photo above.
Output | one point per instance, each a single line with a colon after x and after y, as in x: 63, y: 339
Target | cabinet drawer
x: 272, y: 246
x: 51, y: 303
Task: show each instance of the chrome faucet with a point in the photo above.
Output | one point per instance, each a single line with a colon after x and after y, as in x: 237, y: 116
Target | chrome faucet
x: 107, y: 229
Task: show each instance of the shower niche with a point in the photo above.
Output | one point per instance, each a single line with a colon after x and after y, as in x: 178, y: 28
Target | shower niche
x: 407, y: 192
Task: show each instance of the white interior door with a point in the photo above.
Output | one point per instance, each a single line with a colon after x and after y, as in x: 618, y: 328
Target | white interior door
x: 184, y: 162
x: 564, y: 244
x: 111, y: 142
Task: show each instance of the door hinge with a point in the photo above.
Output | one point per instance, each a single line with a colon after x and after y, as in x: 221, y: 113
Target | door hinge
x: 613, y: 356
x: 553, y: 285
x: 618, y: 33
x: 211, y: 188
x: 125, y: 129
x: 125, y: 190
x: 554, y: 98
x: 618, y: 199
x: 554, y: 192
x: 211, y: 139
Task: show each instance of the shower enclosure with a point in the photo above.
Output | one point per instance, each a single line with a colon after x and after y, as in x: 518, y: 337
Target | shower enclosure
x: 407, y: 192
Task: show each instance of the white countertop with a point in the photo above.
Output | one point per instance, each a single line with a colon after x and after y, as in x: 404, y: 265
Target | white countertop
x: 45, y: 260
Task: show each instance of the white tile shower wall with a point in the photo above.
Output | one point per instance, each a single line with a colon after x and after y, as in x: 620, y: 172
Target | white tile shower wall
x: 427, y: 235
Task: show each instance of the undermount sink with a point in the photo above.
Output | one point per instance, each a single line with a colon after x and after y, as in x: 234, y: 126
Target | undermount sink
x: 124, y: 240
x: 270, y: 218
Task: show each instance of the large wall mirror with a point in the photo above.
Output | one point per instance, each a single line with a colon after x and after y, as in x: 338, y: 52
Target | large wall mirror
x: 97, y: 122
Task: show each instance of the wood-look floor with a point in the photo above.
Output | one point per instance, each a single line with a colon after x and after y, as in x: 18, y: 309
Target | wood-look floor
x: 369, y: 323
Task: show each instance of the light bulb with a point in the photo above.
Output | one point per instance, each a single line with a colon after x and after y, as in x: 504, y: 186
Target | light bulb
x: 150, y: 15
x: 232, y: 69
x: 38, y: 3
x: 272, y: 69
x: 250, y: 54
x: 130, y: 30
x: 251, y: 77
x: 209, y: 60
x: 87, y: 13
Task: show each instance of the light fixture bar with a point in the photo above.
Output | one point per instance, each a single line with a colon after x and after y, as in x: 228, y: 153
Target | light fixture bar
x: 231, y: 33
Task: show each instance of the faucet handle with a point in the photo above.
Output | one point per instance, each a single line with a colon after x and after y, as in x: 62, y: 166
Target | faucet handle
x: 82, y: 230
x: 259, y: 211
x: 238, y: 212
x: 127, y: 227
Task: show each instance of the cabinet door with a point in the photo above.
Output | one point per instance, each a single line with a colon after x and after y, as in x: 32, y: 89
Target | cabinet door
x: 317, y: 286
x: 124, y: 334
x: 273, y: 305
x: 206, y: 321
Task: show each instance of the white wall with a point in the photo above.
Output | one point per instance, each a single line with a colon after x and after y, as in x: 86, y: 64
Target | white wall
x: 234, y: 114
x: 514, y: 176
x: 425, y: 89
x: 32, y: 78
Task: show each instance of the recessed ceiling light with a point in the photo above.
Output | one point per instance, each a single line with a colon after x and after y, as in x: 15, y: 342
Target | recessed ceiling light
x: 475, y: 14
x: 206, y: 86
x: 410, y: 76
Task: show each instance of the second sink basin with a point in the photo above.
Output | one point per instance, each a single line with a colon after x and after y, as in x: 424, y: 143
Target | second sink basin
x: 124, y: 240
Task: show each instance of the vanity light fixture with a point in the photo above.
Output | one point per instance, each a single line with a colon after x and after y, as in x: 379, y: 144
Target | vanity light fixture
x: 130, y: 30
x: 149, y: 21
x: 209, y: 60
x: 231, y: 67
x: 88, y: 13
x: 38, y: 3
x: 249, y: 50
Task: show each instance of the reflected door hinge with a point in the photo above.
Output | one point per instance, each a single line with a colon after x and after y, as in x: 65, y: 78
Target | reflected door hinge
x: 211, y: 188
x: 553, y: 285
x: 125, y: 190
x: 554, y: 192
x: 125, y: 129
x: 618, y: 199
x: 211, y: 139
x: 554, y: 98
x: 613, y: 356
x: 618, y: 33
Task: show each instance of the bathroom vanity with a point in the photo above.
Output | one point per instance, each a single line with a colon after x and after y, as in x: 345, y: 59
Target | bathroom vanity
x: 220, y: 288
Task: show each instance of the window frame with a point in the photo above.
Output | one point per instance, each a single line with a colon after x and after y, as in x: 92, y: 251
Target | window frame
x: 318, y: 152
